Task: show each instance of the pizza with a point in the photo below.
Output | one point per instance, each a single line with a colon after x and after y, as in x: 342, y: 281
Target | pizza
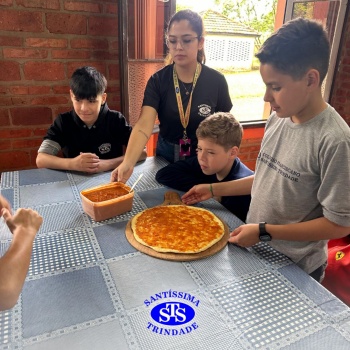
x: 177, y: 229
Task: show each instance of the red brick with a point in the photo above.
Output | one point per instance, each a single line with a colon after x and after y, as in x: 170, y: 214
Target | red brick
x: 114, y: 45
x: 59, y: 110
x: 72, y: 66
x: 3, y: 90
x: 70, y: 54
x: 243, y: 156
x: 63, y: 23
x: 49, y: 100
x: 21, y: 100
x: 21, y: 21
x: 102, y: 25
x: 96, y: 44
x: 104, y: 55
x: 19, y: 90
x: 114, y: 73
x: 10, y: 71
x: 5, y: 144
x: 61, y: 89
x: 4, y: 117
x: 31, y: 115
x: 83, y: 6
x: 26, y: 143
x: 40, y: 132
x: 6, y: 2
x: 5, y: 101
x: 50, y: 71
x: 33, y: 155
x: 14, y: 133
x: 44, y: 4
x: 112, y: 89
x: 46, y: 42
x: 14, y: 160
x: 112, y: 9
x: 39, y: 90
x: 250, y: 164
x: 10, y: 41
x: 250, y: 148
x: 24, y: 53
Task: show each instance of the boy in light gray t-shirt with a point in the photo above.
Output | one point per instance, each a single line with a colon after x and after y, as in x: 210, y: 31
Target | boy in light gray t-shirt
x: 300, y: 190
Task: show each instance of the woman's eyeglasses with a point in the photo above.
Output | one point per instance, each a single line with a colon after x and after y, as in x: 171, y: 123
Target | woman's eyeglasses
x: 184, y: 42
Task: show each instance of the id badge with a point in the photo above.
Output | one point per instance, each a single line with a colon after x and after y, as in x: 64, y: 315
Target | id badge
x: 185, y: 147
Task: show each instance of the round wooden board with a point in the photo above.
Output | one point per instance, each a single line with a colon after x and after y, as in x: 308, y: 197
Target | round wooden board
x: 176, y: 256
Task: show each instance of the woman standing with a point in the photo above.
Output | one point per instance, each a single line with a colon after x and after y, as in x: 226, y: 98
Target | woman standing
x: 181, y: 94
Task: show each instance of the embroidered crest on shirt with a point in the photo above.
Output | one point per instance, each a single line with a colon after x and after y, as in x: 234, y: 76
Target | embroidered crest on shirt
x: 204, y: 110
x: 105, y: 148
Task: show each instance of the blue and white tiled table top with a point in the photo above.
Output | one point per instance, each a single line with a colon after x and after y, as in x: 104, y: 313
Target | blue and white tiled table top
x: 88, y: 288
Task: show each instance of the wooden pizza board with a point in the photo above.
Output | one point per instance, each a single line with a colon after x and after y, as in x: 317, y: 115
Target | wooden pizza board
x: 173, y: 198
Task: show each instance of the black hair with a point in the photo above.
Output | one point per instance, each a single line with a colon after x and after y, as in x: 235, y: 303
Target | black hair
x: 86, y: 83
x: 196, y: 23
x: 299, y: 45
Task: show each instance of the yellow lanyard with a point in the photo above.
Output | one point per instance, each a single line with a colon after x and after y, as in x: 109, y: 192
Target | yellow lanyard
x: 185, y: 117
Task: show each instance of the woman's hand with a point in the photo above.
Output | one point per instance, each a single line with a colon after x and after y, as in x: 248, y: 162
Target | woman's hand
x: 122, y: 173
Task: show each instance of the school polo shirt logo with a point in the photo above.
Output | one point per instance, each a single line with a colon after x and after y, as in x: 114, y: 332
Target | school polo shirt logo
x: 204, y: 110
x: 105, y: 148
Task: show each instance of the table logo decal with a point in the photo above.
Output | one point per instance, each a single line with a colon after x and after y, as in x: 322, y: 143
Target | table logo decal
x: 172, y: 316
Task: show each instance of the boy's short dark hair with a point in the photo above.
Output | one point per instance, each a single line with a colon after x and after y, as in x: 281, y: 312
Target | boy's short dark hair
x: 296, y: 47
x: 86, y: 83
x: 222, y: 128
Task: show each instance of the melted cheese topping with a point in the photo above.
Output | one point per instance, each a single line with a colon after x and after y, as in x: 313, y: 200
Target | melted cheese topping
x: 177, y: 229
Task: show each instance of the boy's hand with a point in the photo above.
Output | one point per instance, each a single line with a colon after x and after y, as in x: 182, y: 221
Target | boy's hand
x: 25, y: 220
x: 122, y: 173
x: 197, y: 194
x: 86, y: 162
x: 245, y: 235
x: 4, y: 204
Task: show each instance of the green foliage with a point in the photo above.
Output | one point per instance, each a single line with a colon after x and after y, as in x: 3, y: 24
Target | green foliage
x: 257, y: 14
x: 180, y: 7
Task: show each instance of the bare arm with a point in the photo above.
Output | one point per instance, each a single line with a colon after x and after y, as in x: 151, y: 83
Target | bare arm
x: 15, y: 263
x: 313, y: 230
x: 4, y: 204
x: 202, y: 192
x: 86, y: 162
x: 140, y: 134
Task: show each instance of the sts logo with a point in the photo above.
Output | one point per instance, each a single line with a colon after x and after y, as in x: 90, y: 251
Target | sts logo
x: 172, y: 313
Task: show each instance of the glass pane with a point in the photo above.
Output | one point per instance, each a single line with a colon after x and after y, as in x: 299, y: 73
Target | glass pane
x: 323, y: 11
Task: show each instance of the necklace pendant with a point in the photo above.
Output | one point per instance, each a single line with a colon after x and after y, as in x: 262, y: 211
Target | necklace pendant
x: 187, y: 93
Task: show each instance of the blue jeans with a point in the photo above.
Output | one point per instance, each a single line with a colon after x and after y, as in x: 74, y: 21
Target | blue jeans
x: 167, y: 150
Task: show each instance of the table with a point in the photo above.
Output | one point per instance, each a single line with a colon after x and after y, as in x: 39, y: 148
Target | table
x: 88, y: 288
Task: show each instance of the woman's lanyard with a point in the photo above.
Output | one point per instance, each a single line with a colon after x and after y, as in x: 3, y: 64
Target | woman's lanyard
x: 185, y: 117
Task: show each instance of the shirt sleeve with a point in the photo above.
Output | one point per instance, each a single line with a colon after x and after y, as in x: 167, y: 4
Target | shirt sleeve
x: 224, y: 102
x: 152, y: 93
x: 334, y: 191
x: 49, y: 147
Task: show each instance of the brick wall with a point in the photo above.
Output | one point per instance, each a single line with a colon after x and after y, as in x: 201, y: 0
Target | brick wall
x: 41, y: 43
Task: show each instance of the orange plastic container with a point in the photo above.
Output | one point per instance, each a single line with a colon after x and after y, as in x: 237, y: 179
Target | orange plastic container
x: 105, y: 201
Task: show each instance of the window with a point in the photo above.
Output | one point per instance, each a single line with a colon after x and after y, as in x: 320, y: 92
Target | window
x: 143, y: 22
x: 331, y: 13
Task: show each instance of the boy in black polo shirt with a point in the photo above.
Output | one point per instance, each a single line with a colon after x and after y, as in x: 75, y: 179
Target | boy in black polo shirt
x: 92, y: 137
